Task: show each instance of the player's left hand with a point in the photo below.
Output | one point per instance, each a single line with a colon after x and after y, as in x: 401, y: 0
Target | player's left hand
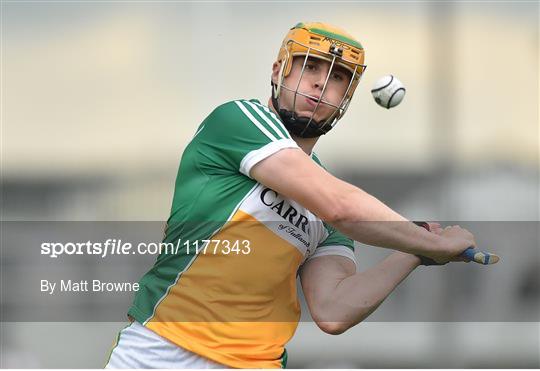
x: 436, y: 228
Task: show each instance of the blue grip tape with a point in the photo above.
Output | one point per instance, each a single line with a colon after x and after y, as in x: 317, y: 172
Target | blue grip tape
x: 469, y: 253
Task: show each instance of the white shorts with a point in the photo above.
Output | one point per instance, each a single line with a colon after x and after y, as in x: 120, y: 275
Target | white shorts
x: 139, y: 347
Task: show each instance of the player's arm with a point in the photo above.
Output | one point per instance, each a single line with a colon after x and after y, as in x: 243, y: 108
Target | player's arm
x: 352, y: 211
x: 338, y: 297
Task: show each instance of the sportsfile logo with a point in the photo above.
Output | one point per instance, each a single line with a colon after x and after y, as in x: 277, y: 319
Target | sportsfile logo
x: 285, y: 210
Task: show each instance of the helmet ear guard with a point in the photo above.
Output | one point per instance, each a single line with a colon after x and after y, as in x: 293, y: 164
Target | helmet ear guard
x: 276, y: 88
x: 325, y: 42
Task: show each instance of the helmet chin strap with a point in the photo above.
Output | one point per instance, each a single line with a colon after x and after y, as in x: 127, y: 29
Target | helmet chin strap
x: 301, y: 127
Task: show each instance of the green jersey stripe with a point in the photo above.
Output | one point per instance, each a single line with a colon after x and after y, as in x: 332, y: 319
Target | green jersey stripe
x: 276, y: 119
x: 266, y: 119
x: 284, y: 359
x: 169, y: 289
x: 195, y: 255
x: 255, y: 121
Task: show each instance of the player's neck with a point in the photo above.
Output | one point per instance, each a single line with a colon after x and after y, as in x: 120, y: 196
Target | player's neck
x: 306, y: 144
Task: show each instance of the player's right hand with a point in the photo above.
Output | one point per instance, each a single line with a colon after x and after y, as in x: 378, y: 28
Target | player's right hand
x: 455, y: 240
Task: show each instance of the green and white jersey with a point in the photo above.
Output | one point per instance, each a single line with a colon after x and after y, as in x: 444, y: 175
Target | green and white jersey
x: 234, y: 302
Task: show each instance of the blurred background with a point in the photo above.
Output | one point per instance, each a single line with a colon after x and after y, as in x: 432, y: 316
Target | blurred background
x: 100, y: 98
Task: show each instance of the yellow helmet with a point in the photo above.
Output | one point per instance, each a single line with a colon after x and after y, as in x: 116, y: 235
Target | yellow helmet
x: 327, y: 42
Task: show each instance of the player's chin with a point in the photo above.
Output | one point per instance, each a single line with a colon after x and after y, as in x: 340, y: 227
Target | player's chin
x: 319, y: 116
x: 315, y: 118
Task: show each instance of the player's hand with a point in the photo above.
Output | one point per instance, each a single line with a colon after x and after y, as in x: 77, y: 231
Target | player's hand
x: 434, y: 227
x: 455, y: 237
x: 455, y: 240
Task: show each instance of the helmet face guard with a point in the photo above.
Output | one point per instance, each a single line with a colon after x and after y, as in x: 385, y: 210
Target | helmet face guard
x: 317, y: 40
